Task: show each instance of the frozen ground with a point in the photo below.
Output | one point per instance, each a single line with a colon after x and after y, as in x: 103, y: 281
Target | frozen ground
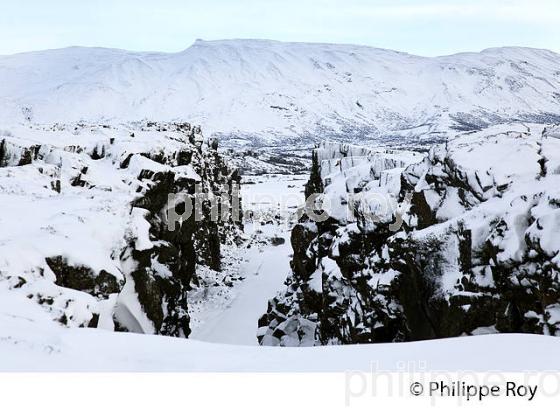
x: 30, y: 341
x: 224, y: 327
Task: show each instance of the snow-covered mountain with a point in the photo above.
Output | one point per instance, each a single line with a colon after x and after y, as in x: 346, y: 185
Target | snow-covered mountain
x: 267, y: 92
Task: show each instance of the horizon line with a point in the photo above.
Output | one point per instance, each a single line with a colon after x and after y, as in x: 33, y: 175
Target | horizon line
x: 265, y: 40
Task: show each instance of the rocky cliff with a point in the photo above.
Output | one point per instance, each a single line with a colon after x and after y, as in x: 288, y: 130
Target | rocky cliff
x: 85, y: 229
x: 464, y: 241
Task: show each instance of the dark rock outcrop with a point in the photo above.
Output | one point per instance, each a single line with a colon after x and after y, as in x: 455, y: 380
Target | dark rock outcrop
x: 477, y: 250
x: 83, y: 278
x: 104, y: 201
x: 164, y: 272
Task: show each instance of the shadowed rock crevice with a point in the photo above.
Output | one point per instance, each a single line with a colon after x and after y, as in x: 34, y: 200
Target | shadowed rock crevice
x: 83, y: 278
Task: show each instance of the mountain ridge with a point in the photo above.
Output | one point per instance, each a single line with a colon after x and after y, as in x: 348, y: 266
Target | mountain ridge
x: 200, y: 41
x: 265, y: 92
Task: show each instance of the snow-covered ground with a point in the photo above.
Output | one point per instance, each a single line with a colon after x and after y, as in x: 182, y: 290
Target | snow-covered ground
x: 233, y: 318
x: 28, y: 343
x: 265, y: 270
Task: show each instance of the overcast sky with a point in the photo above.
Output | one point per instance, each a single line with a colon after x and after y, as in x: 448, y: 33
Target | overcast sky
x: 432, y: 27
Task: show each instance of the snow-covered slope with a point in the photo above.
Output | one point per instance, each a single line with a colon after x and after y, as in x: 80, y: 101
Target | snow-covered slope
x: 266, y: 91
x: 29, y: 343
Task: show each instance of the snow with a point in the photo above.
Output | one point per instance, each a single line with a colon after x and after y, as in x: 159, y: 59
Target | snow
x: 369, y: 177
x: 45, y: 213
x: 232, y: 88
x: 265, y: 270
x: 345, y: 92
x: 28, y: 343
x: 481, y: 223
x: 225, y: 323
x: 129, y: 312
x: 273, y: 192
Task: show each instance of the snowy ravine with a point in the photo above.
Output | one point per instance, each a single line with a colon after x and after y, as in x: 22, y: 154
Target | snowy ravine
x: 264, y: 263
x: 63, y: 187
x: 265, y: 270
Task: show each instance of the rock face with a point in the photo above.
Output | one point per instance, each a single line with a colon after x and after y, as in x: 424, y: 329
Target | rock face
x: 87, y: 208
x: 467, y: 241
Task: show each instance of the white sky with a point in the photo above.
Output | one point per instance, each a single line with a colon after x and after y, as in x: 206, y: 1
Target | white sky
x: 432, y: 27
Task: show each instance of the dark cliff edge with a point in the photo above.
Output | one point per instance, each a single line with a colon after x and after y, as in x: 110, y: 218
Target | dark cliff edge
x: 477, y: 249
x: 112, y: 260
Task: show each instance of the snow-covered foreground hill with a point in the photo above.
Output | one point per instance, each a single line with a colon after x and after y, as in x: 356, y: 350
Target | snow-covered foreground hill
x: 30, y: 342
x: 266, y: 92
